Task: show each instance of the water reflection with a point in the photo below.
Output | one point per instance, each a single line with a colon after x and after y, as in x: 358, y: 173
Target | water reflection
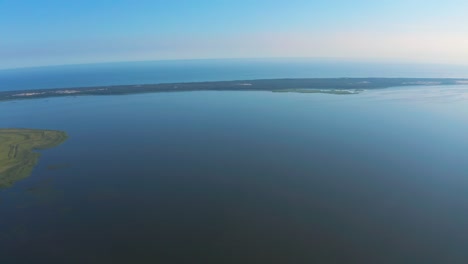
x: 433, y: 94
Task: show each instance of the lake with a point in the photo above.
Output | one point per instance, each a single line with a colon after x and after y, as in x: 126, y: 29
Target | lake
x: 243, y: 177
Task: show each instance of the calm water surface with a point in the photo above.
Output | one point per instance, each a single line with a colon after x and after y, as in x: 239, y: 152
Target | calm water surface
x: 244, y: 177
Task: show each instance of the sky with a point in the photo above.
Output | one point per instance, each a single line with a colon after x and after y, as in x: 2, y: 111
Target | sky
x: 56, y: 32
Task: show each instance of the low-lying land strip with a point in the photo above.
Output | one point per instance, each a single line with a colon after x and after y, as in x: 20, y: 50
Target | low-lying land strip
x: 17, y: 155
x: 311, y: 85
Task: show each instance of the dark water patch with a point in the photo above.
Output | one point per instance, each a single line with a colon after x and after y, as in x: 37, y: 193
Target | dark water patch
x: 242, y: 178
x: 59, y: 166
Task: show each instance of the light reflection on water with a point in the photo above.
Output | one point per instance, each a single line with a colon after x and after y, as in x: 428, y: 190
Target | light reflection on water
x: 432, y: 94
x: 244, y: 177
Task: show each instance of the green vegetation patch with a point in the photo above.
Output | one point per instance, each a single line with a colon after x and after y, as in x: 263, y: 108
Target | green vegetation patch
x: 17, y: 151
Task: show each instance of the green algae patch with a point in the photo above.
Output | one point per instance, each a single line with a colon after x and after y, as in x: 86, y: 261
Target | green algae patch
x: 18, y: 154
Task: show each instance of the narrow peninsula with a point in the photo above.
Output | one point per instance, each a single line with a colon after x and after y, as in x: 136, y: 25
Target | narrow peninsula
x: 17, y: 151
x: 310, y: 85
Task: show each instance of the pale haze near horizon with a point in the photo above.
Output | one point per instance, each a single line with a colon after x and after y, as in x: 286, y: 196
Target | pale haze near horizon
x: 41, y: 33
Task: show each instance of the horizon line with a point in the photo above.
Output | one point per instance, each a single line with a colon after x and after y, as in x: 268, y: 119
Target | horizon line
x: 340, y: 59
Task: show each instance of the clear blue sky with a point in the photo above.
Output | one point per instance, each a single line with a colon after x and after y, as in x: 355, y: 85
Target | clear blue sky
x: 49, y: 32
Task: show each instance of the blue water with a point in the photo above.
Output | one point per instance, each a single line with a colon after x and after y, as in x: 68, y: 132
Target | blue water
x: 244, y: 177
x: 212, y: 70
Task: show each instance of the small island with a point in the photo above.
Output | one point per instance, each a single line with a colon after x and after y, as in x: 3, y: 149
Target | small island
x: 338, y: 86
x: 17, y: 151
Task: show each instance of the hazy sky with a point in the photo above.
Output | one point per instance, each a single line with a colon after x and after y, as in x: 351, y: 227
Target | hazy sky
x: 49, y: 32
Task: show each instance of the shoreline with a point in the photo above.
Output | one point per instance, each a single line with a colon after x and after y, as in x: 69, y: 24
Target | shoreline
x: 303, y: 85
x: 19, y: 151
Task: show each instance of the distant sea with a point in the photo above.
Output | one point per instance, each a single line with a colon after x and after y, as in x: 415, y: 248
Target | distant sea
x: 86, y: 75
